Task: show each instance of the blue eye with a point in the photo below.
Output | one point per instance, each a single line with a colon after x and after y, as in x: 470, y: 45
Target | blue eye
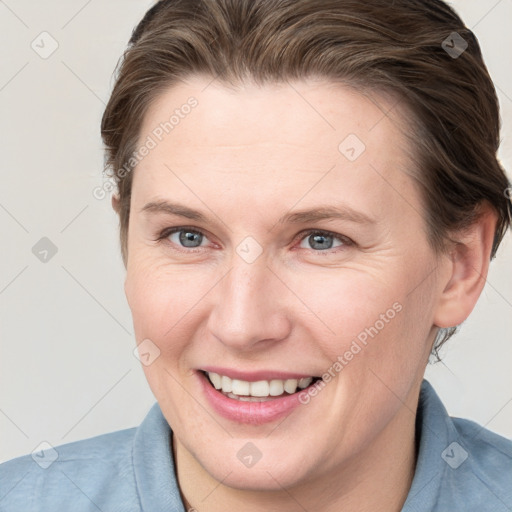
x: 188, y: 238
x: 323, y: 240
x: 318, y: 240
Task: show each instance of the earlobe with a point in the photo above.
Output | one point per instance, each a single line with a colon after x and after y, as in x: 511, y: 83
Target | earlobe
x: 469, y: 264
x: 115, y: 203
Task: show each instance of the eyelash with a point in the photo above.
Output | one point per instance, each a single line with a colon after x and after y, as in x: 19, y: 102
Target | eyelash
x: 347, y: 242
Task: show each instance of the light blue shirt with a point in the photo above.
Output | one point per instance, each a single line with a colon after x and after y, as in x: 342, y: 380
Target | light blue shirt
x: 461, y: 466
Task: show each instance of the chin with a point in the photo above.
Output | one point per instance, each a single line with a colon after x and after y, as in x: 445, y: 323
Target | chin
x: 270, y: 473
x: 264, y: 478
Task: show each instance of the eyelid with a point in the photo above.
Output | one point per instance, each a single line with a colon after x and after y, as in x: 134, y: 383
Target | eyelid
x: 342, y: 238
x: 167, y: 232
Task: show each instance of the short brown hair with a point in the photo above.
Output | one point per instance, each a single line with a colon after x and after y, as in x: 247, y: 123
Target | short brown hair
x: 419, y: 50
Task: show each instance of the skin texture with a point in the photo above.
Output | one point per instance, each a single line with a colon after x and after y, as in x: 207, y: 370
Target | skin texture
x: 244, y: 158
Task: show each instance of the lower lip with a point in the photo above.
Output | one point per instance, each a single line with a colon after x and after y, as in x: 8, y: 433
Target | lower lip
x: 254, y: 413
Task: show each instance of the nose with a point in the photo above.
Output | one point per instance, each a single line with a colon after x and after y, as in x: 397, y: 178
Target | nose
x: 249, y: 312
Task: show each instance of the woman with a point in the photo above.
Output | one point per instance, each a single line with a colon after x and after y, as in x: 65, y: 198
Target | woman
x: 309, y: 199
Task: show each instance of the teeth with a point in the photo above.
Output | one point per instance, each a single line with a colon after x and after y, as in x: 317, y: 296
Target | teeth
x: 261, y: 388
x: 226, y: 384
x: 248, y: 398
x: 277, y: 388
x: 290, y: 385
x: 305, y: 382
x: 216, y: 380
x: 239, y: 387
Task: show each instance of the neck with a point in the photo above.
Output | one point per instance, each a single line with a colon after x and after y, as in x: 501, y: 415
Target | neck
x: 377, y: 479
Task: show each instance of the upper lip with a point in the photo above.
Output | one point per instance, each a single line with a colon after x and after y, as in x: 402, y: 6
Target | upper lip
x: 255, y: 376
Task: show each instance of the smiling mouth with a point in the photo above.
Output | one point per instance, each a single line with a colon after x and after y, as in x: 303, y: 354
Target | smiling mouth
x: 258, y: 391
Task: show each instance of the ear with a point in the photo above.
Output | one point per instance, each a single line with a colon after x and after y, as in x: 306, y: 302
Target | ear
x: 468, y: 267
x: 115, y: 203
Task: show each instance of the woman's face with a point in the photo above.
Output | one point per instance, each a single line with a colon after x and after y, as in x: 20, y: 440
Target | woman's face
x: 242, y: 282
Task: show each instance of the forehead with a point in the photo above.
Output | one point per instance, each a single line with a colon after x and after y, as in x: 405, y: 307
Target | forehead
x: 302, y: 140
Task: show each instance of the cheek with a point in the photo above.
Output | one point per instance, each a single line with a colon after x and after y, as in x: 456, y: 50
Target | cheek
x: 157, y: 295
x: 167, y: 305
x: 380, y: 321
x: 160, y: 302
x: 349, y: 303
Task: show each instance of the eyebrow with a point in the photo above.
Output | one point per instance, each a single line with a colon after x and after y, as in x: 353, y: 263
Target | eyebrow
x: 174, y: 209
x: 298, y: 217
x: 327, y: 212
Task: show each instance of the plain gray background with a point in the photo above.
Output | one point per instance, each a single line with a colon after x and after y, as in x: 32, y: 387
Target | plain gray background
x: 67, y: 369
